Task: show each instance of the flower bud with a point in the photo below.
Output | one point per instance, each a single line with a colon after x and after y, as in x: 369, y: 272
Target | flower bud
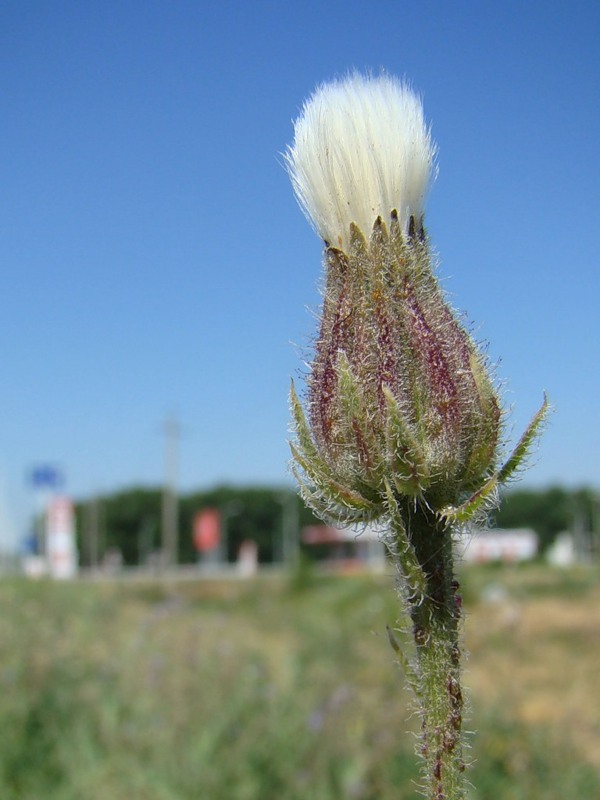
x: 398, y: 395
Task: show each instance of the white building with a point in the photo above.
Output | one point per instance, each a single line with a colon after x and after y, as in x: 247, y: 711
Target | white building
x: 480, y: 546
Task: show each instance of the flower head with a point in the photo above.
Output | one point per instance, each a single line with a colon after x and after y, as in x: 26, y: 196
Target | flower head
x: 361, y: 149
x: 401, y: 407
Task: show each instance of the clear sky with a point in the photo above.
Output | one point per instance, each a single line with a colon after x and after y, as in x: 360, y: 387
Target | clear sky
x: 153, y: 260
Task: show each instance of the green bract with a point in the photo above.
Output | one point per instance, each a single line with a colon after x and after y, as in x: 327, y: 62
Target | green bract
x: 398, y: 394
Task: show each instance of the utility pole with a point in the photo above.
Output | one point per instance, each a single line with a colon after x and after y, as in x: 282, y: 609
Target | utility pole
x: 229, y: 510
x: 169, y: 497
x: 290, y: 528
x: 92, y: 530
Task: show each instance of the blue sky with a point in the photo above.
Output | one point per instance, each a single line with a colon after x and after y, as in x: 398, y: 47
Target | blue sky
x: 153, y: 260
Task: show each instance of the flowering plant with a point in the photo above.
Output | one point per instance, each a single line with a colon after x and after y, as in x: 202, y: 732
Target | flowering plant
x: 403, y: 424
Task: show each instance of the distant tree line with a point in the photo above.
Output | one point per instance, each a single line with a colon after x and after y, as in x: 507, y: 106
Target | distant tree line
x: 130, y: 521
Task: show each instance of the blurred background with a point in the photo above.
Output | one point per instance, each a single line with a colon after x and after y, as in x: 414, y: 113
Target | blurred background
x: 159, y: 290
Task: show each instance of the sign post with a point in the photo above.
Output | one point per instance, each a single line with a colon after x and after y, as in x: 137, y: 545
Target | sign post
x: 61, y: 549
x: 207, y: 534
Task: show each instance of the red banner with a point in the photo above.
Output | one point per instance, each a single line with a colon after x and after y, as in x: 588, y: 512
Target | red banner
x: 207, y: 530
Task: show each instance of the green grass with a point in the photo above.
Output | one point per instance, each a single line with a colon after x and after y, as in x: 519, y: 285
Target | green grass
x: 277, y: 690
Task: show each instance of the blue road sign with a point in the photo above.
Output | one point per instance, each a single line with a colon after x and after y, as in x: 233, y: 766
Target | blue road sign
x: 46, y: 476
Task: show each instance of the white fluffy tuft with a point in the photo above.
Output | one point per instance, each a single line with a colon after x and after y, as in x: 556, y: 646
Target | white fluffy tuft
x: 361, y: 149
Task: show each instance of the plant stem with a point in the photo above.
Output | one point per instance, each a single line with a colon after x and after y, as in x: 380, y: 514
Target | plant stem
x: 435, y: 616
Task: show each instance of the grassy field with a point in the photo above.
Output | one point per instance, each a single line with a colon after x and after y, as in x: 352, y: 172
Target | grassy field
x: 285, y: 689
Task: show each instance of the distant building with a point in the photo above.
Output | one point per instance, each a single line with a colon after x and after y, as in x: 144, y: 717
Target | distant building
x: 480, y: 546
x: 562, y: 552
x: 351, y: 549
x: 346, y: 549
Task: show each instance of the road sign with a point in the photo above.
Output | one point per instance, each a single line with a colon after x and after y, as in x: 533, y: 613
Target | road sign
x: 207, y: 530
x: 46, y: 476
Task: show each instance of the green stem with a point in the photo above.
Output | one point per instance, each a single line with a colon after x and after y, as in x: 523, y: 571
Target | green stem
x: 435, y: 619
